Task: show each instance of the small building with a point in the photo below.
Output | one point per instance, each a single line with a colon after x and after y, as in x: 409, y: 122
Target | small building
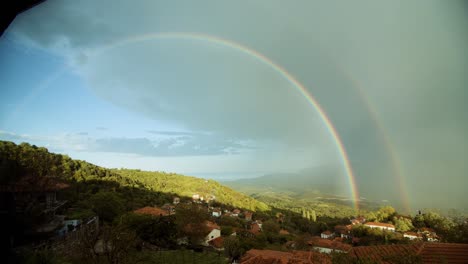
x: 235, y: 212
x: 428, y: 234
x: 284, y: 232
x: 344, y: 231
x: 328, y: 246
x: 381, y: 226
x: 217, y: 243
x: 255, y: 228
x: 195, y: 197
x: 214, y: 232
x: 358, y: 220
x: 248, y: 215
x: 169, y: 208
x: 412, y: 235
x: 327, y: 234
x: 216, y: 212
x: 176, y: 200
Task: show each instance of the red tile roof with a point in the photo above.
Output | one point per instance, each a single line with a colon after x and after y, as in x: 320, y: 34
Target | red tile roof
x: 327, y: 232
x: 155, y: 211
x: 427, y: 252
x: 283, y: 232
x: 217, y: 242
x: 212, y: 225
x: 444, y: 253
x: 255, y: 228
x: 326, y: 243
x: 380, y: 253
x: 256, y: 256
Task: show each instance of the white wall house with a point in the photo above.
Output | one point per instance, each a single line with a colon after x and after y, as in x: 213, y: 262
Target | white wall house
x: 214, y: 232
x: 412, y: 235
x: 327, y: 234
x: 216, y: 213
x: 382, y: 226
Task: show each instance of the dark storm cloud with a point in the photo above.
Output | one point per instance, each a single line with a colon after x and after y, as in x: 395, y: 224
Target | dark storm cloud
x: 408, y: 58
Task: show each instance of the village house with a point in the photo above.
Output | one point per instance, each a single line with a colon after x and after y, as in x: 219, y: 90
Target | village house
x: 176, y: 200
x: 255, y: 228
x: 344, y: 231
x: 248, y: 215
x: 169, y: 208
x: 381, y: 226
x: 214, y: 232
x: 428, y: 234
x: 412, y: 235
x: 358, y: 220
x: 217, y: 243
x: 216, y: 212
x: 235, y: 212
x: 328, y: 246
x: 327, y: 234
x: 195, y: 197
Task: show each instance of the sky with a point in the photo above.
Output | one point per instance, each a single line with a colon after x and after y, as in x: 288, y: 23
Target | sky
x: 79, y: 78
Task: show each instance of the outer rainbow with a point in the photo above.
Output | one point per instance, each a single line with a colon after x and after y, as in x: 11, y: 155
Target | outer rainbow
x: 268, y: 62
x: 395, y: 160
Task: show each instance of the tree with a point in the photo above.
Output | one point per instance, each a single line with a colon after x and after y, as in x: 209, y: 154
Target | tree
x: 402, y: 224
x: 107, y: 205
x: 232, y: 248
x: 385, y: 213
x: 113, y: 242
x: 191, y: 222
x: 270, y: 226
x: 314, y: 216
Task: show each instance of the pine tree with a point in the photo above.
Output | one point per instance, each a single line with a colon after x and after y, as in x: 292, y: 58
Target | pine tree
x: 314, y: 216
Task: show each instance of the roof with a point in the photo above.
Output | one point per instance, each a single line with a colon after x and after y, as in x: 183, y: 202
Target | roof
x: 255, y: 228
x: 283, y: 232
x: 212, y: 225
x: 412, y: 234
x: 328, y: 232
x: 426, y: 229
x: 256, y: 256
x: 379, y: 224
x: 217, y: 242
x: 444, y: 253
x: 342, y: 229
x: 427, y: 252
x: 326, y: 243
x: 155, y: 211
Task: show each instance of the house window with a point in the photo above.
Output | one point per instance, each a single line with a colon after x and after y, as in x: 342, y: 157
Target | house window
x: 212, y: 236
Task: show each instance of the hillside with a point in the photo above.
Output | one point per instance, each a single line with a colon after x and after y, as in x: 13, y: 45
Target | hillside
x: 307, y: 190
x: 187, y: 186
x: 145, y: 187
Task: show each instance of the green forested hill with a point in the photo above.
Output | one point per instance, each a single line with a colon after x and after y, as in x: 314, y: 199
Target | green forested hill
x: 187, y: 186
x: 136, y: 188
